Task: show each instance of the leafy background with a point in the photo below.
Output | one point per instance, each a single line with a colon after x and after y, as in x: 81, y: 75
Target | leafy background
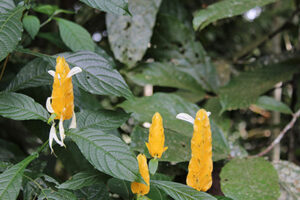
x: 238, y: 59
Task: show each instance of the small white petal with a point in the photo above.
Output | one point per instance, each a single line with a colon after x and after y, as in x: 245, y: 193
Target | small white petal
x: 73, y: 71
x: 146, y: 125
x: 73, y: 122
x: 185, y: 117
x: 48, y: 105
x: 61, y: 129
x: 52, y: 136
x: 208, y: 114
x: 51, y: 72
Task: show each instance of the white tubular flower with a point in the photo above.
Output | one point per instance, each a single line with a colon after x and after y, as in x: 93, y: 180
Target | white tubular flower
x: 52, y: 136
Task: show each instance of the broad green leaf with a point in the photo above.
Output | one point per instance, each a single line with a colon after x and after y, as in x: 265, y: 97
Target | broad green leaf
x: 289, y: 176
x: 225, y: 9
x: 98, y: 77
x: 119, y: 7
x: 33, y: 74
x: 50, y: 194
x: 191, y: 96
x: 179, y: 191
x: 245, y: 89
x: 10, y: 30
x: 249, y: 178
x: 169, y: 105
x: 51, y: 9
x: 74, y: 36
x: 11, y: 179
x: 181, y: 49
x: 31, y: 24
x: 120, y: 187
x: 107, y: 153
x: 91, y: 101
x: 272, y: 104
x: 129, y: 36
x: 80, y: 180
x: 153, y: 164
x: 21, y: 107
x: 222, y: 198
x: 4, y: 165
x: 6, y: 5
x: 94, y: 192
x: 104, y: 120
x: 165, y: 74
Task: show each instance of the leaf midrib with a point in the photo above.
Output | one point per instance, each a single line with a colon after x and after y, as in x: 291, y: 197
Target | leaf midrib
x: 10, y: 16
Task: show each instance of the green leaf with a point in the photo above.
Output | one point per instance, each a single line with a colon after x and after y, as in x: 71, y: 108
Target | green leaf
x: 180, y: 132
x: 250, y: 178
x: 50, y: 9
x: 260, y: 80
x: 119, y: 7
x: 21, y: 107
x: 181, y: 49
x: 91, y: 101
x: 10, y: 30
x: 56, y: 195
x: 181, y: 192
x: 80, y: 180
x: 75, y: 36
x: 272, y: 104
x: 104, y: 120
x: 165, y: 74
x: 120, y: 187
x: 129, y: 36
x: 31, y: 24
x: 11, y: 179
x: 98, y: 77
x: 289, y: 176
x: 97, y: 191
x: 153, y: 164
x: 6, y: 5
x: 4, y: 165
x: 33, y: 74
x: 225, y: 9
x: 107, y: 153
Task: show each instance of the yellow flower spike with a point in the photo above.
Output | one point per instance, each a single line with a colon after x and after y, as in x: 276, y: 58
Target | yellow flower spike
x: 201, y: 165
x: 156, y: 138
x: 141, y: 188
x: 62, y: 98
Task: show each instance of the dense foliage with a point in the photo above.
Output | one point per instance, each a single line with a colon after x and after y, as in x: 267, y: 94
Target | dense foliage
x: 237, y: 59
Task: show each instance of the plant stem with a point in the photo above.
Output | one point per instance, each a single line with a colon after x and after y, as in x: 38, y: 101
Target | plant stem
x: 280, y: 136
x: 42, y: 147
x: 4, y: 66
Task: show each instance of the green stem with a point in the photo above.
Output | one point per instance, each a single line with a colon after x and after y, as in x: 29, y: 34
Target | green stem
x: 42, y: 147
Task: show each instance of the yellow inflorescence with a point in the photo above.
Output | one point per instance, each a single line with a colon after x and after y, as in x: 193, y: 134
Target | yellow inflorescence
x: 201, y: 165
x: 62, y: 93
x: 140, y: 188
x: 156, y: 139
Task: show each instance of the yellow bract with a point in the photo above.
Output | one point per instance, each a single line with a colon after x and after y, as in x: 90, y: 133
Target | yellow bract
x: 201, y: 164
x: 62, y: 93
x: 140, y: 188
x: 156, y: 137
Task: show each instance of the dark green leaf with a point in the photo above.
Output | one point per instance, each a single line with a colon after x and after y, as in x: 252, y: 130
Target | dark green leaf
x: 104, y: 120
x: 107, y: 153
x: 56, y: 195
x: 244, y: 89
x: 289, y: 176
x: 33, y: 74
x: 251, y: 179
x: 31, y: 24
x: 225, y: 9
x: 50, y: 9
x: 129, y: 36
x: 119, y: 7
x: 21, y: 107
x: 74, y: 36
x: 91, y: 101
x: 6, y: 5
x: 95, y: 192
x: 181, y: 192
x: 153, y: 164
x: 120, y: 187
x: 11, y: 179
x: 165, y: 74
x: 10, y: 30
x: 80, y: 180
x: 272, y: 104
x: 181, y: 49
x: 4, y: 165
